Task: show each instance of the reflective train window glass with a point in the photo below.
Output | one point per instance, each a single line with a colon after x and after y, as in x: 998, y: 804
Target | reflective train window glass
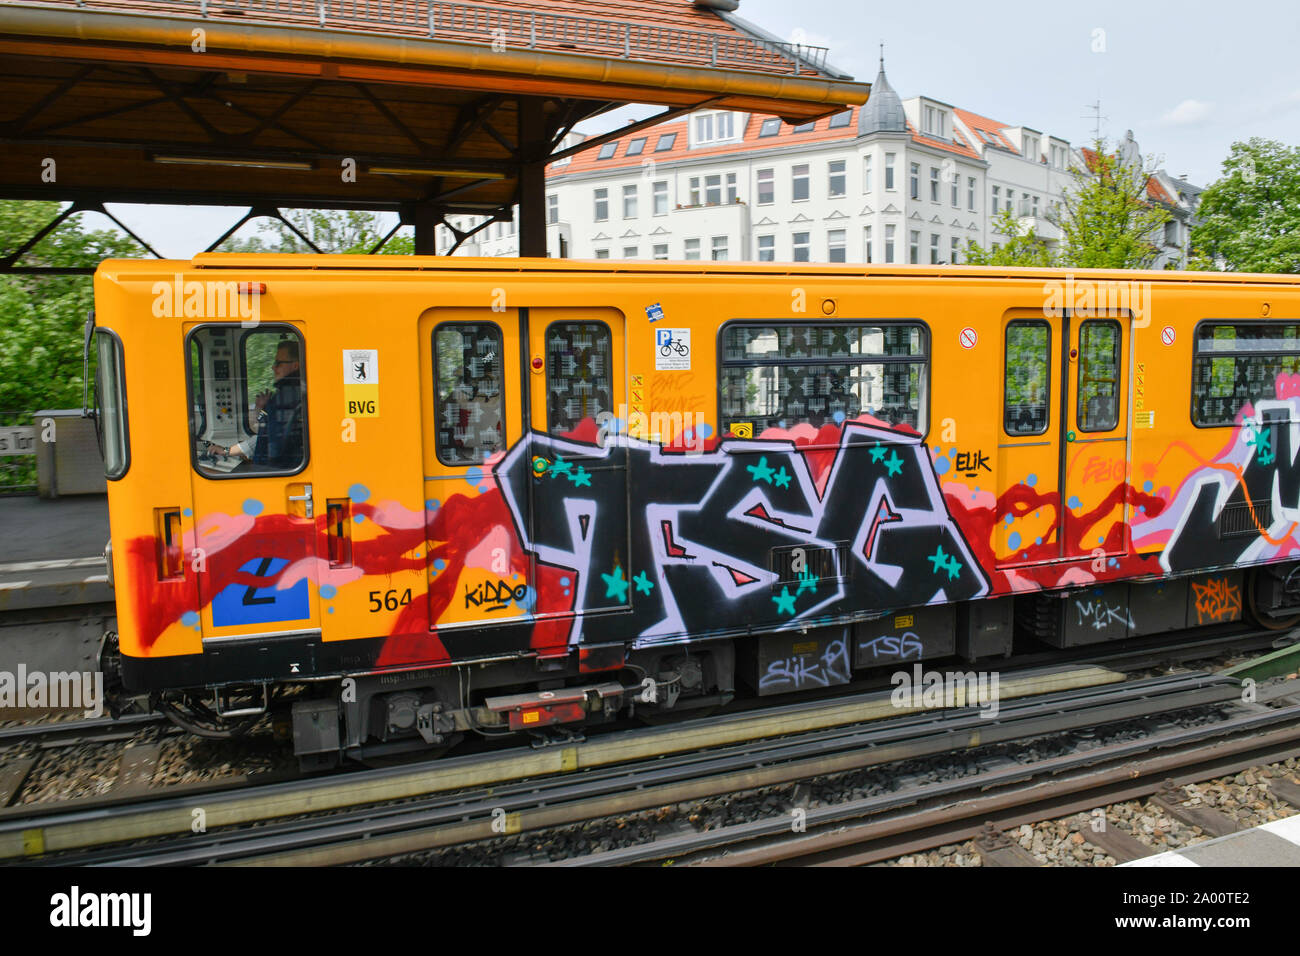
x: 111, y: 394
x: 579, y: 376
x: 1098, y: 403
x: 247, y: 411
x: 469, y: 392
x: 789, y: 375
x: 1238, y: 364
x: 1028, y: 378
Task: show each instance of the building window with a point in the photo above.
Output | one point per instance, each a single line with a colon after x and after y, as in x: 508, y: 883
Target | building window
x: 866, y: 244
x: 602, y: 205
x: 1011, y: 200
x: 731, y: 187
x: 835, y: 178
x: 659, y: 196
x: 469, y: 392
x: 714, y: 128
x: 801, y: 247
x: 936, y: 122
x: 695, y: 190
x: 835, y: 246
x: 915, y: 180
x: 889, y: 171
x: 636, y: 147
x: 889, y: 243
x: 914, y: 247
x: 1028, y: 377
x: 934, y: 249
x: 996, y: 191
x: 661, y: 251
x: 1238, y: 364
x: 767, y: 248
x: 956, y: 192
x: 771, y: 126
x: 934, y: 184
x: 713, y: 190
x: 866, y: 173
x: 629, y: 202
x: 1171, y: 232
x: 608, y: 150
x: 631, y: 252
x: 784, y: 376
x: 602, y: 253
x: 766, y: 187
x: 799, y: 183
x: 718, y: 252
x: 956, y: 245
x: 1098, y: 401
x: 552, y: 208
x: 840, y: 120
x: 579, y: 374
x: 805, y: 127
x: 665, y: 142
x: 692, y: 249
x: 970, y: 192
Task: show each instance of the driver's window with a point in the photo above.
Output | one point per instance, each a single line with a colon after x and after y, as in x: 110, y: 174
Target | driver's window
x: 247, y: 400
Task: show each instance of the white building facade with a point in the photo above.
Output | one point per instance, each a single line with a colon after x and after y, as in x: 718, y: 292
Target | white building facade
x: 891, y: 182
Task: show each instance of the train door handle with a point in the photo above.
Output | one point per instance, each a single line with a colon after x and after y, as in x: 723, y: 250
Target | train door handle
x: 305, y: 498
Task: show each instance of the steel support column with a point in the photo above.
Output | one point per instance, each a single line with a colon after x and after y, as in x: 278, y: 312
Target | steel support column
x: 534, y: 147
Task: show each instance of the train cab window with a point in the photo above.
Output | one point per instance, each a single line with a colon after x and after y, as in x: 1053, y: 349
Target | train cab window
x: 247, y: 400
x: 782, y: 376
x: 579, y: 375
x: 1237, y: 364
x: 1098, y: 405
x: 110, y: 389
x: 469, y: 392
x: 1028, y: 378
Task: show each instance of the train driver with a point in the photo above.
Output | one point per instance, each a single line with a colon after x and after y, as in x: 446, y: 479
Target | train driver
x: 277, y: 430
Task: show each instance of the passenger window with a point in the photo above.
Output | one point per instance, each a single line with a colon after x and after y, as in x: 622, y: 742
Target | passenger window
x: 789, y: 375
x: 1239, y: 364
x: 1028, y: 378
x: 469, y: 392
x: 1098, y: 409
x: 247, y: 400
x: 579, y: 375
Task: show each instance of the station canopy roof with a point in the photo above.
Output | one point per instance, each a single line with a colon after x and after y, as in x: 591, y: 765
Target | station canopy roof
x: 246, y: 101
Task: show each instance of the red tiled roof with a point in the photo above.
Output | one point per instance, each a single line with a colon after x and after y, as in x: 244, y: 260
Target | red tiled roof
x: 1158, y: 193
x: 750, y: 141
x: 990, y: 126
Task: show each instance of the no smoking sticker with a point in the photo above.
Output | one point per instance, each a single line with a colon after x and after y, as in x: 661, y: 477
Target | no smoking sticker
x: 968, y: 338
x: 1167, y: 335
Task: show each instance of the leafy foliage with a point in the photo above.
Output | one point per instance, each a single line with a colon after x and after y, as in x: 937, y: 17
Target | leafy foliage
x: 1020, y: 246
x: 1106, y: 221
x: 351, y: 232
x: 1250, y: 216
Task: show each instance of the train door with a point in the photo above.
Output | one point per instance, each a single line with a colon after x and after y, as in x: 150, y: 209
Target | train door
x: 1063, y: 452
x: 253, y: 495
x: 580, y: 487
x: 479, y: 571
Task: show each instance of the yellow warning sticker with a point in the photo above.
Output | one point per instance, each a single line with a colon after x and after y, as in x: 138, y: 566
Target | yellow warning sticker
x: 742, y: 429
x: 905, y: 620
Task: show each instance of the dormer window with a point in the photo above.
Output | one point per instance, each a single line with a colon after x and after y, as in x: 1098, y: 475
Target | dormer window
x: 1031, y: 148
x: 771, y: 126
x: 840, y: 120
x: 608, y: 150
x: 636, y: 147
x: 936, y: 122
x: 713, y: 128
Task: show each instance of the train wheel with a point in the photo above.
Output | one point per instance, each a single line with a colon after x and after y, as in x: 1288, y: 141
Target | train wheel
x: 1266, y: 579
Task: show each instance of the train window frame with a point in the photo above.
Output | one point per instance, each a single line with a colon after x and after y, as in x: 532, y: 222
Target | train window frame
x: 1196, y: 338
x: 924, y: 358
x: 1078, y: 385
x: 121, y: 419
x: 1047, y: 384
x: 546, y: 369
x: 505, y: 418
x: 202, y: 385
x: 236, y: 473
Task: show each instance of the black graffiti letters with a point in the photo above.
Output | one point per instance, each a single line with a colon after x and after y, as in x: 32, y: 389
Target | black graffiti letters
x: 971, y: 463
x: 495, y: 595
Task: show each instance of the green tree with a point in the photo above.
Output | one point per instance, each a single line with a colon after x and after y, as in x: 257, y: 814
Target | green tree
x: 347, y: 231
x: 1020, y: 246
x: 1106, y: 220
x: 1250, y: 216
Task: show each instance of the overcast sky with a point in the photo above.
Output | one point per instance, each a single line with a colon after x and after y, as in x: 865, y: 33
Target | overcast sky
x: 1188, y: 78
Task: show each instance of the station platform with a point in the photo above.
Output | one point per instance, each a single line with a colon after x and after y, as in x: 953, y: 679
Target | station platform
x: 1270, y: 844
x: 52, y: 552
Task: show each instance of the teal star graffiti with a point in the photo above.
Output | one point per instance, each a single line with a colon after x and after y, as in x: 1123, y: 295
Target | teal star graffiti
x: 953, y: 568
x: 938, y: 559
x: 615, y: 585
x: 878, y: 453
x: 784, y: 602
x: 560, y: 467
x: 895, y: 464
x: 761, y: 471
x: 643, y: 583
x: 807, y: 582
x: 582, y: 478
x: 782, y: 479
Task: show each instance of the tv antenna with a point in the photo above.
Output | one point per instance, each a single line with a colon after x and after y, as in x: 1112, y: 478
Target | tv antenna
x: 1094, y: 114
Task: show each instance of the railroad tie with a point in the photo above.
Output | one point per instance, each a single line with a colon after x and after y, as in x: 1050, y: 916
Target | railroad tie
x: 1213, y: 823
x: 997, y: 849
x: 1114, y: 842
x: 12, y: 777
x: 139, y: 762
x: 1285, y: 789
